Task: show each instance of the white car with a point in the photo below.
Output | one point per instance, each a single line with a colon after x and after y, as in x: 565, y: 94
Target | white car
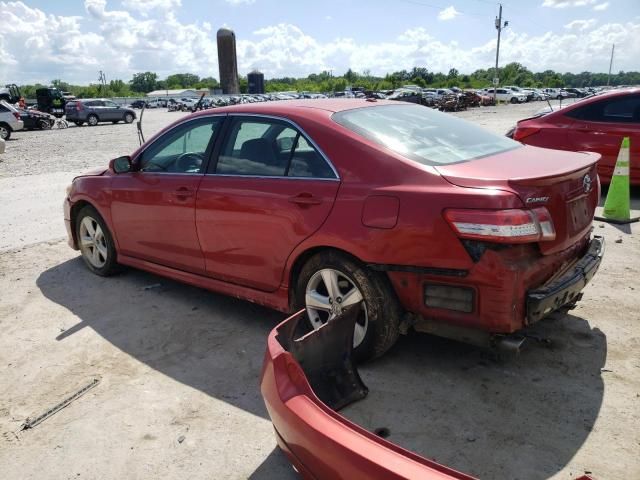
x: 556, y: 93
x: 506, y: 95
x: 9, y: 120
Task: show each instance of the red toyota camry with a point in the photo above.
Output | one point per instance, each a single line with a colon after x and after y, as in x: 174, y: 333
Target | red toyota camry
x: 594, y: 124
x: 431, y: 221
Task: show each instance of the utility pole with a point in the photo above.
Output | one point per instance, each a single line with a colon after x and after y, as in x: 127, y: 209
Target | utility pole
x: 613, y: 47
x: 499, y: 27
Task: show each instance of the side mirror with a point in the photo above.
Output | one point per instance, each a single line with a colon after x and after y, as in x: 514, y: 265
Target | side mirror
x: 121, y: 164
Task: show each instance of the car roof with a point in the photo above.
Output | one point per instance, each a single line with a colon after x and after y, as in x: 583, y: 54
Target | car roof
x: 301, y: 107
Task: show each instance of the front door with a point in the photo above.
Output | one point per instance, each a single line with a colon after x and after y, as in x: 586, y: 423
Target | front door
x: 270, y: 189
x: 153, y: 207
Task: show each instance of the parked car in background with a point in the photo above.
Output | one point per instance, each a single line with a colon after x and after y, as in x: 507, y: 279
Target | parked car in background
x: 526, y: 92
x: 538, y: 94
x: 139, y: 104
x: 36, y: 120
x: 157, y: 103
x: 10, y: 120
x: 298, y: 203
x: 506, y: 95
x: 575, y: 92
x: 595, y: 124
x: 96, y: 110
x: 556, y: 93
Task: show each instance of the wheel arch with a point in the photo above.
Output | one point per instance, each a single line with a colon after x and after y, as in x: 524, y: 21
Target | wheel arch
x: 76, y: 207
x: 305, y: 255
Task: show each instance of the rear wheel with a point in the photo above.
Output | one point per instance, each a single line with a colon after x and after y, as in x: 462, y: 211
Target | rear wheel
x: 331, y: 281
x: 5, y: 131
x: 95, y: 242
x: 128, y: 118
x: 92, y: 120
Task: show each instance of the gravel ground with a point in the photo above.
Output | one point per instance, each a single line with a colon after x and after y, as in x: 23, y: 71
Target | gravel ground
x: 179, y: 366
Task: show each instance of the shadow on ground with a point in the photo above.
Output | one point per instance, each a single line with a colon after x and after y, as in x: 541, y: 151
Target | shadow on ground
x: 524, y: 418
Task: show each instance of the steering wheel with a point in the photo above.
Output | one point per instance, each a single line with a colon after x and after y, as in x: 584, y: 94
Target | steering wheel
x: 189, y: 162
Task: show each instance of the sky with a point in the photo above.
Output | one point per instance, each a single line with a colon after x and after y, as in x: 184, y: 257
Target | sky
x: 42, y: 40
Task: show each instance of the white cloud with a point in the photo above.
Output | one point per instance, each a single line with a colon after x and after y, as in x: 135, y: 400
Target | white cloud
x: 448, y: 13
x: 147, y: 6
x: 567, y: 3
x: 581, y: 25
x: 35, y: 46
x: 601, y: 7
x: 240, y: 2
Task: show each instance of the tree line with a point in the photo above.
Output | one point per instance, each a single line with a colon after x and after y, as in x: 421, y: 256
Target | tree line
x: 511, y: 74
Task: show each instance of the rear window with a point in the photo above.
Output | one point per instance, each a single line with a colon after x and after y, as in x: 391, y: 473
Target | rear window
x: 422, y: 134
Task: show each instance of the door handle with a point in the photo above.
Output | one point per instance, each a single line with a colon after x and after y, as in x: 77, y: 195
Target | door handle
x: 305, y: 199
x: 184, y: 192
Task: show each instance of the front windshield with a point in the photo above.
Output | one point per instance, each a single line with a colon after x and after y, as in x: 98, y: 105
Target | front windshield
x: 422, y: 134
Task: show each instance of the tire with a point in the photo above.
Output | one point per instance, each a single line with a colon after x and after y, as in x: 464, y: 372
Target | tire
x: 5, y: 131
x: 98, y: 251
x: 514, y: 100
x: 44, y: 124
x: 128, y: 118
x: 92, y: 120
x: 559, y: 97
x: 381, y: 313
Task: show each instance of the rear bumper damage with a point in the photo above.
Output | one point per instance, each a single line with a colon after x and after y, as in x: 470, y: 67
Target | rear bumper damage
x: 565, y: 288
x: 303, y: 381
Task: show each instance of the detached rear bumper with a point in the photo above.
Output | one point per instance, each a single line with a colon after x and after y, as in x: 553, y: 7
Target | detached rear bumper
x: 566, y: 288
x: 319, y: 442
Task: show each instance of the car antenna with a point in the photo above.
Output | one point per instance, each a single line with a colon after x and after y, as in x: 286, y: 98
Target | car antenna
x: 140, y: 134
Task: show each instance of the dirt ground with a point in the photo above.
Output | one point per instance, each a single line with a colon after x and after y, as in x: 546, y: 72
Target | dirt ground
x: 178, y: 367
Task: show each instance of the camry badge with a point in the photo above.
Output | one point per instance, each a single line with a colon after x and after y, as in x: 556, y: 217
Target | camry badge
x: 586, y: 183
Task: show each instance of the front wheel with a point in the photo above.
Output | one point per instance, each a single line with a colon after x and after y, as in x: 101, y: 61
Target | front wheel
x: 331, y: 281
x: 95, y: 242
x: 514, y: 100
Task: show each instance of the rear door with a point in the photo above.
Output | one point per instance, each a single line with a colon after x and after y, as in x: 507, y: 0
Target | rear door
x: 112, y: 111
x: 270, y: 188
x: 601, y: 126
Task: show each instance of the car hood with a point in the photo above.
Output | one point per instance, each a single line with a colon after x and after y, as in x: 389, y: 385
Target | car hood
x: 96, y: 172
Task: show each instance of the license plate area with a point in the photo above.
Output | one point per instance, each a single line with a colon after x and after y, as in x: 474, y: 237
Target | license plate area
x: 578, y: 212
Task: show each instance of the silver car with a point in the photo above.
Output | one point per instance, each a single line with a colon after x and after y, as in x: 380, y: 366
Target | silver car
x: 96, y: 110
x: 9, y: 120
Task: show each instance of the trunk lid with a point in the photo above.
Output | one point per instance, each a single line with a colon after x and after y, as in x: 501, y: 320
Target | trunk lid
x: 566, y: 183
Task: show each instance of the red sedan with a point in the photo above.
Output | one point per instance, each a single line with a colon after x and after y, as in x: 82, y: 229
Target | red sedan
x: 594, y: 124
x: 431, y: 221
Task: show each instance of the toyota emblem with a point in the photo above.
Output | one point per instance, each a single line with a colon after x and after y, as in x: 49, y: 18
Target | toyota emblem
x: 586, y: 183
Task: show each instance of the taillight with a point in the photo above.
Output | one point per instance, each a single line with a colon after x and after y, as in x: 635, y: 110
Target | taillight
x: 17, y: 115
x: 79, y: 107
x: 503, y: 226
x: 524, y: 132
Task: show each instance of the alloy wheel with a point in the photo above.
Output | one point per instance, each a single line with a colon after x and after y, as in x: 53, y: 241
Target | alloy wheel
x: 4, y: 133
x: 93, y: 243
x: 328, y: 293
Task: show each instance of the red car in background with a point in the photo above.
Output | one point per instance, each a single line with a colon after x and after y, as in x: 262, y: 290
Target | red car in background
x: 430, y: 221
x: 594, y: 124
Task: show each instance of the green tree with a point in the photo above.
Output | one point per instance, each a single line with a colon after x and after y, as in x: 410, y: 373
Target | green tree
x: 144, y: 82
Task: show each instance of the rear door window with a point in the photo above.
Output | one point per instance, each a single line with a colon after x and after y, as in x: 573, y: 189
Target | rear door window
x: 270, y: 148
